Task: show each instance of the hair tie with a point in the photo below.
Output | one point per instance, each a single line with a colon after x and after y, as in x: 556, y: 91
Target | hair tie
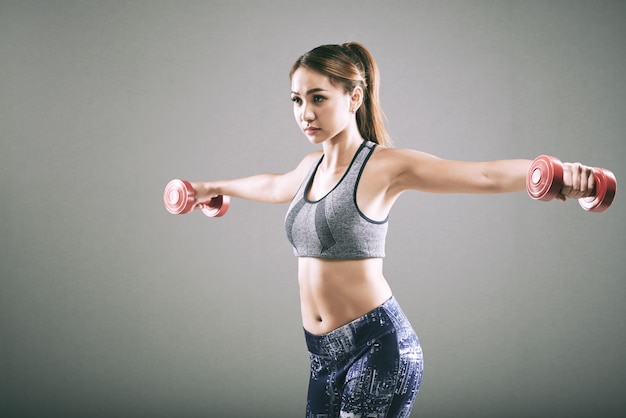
x: 356, y: 60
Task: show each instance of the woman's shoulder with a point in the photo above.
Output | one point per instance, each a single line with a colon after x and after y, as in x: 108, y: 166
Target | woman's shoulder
x: 397, y: 156
x: 402, y: 168
x: 315, y: 155
x: 307, y: 162
x: 312, y: 158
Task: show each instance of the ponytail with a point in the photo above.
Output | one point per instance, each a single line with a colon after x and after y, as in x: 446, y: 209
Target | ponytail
x: 370, y: 116
x: 352, y: 65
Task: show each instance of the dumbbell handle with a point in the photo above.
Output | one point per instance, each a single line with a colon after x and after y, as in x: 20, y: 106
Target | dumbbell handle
x: 179, y: 197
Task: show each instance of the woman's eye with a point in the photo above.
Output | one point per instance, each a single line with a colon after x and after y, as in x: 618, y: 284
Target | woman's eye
x: 316, y: 99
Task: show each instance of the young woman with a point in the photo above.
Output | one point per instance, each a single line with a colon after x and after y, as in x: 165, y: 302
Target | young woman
x: 365, y: 357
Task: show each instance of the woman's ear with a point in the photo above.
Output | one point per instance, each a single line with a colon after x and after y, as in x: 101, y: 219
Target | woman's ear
x: 356, y: 99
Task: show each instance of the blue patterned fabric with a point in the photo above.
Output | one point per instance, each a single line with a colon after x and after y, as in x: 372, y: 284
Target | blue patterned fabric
x: 371, y: 367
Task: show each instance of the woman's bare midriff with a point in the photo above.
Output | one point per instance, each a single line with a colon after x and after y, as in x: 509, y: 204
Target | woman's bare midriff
x: 336, y: 292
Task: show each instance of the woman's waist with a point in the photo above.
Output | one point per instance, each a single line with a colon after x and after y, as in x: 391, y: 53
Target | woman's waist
x: 336, y: 293
x: 347, y: 280
x: 359, y: 332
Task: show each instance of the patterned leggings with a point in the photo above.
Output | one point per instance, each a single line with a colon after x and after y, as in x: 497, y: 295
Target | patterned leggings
x: 371, y: 367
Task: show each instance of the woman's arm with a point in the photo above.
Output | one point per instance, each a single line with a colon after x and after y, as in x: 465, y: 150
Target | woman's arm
x: 420, y: 171
x: 270, y: 188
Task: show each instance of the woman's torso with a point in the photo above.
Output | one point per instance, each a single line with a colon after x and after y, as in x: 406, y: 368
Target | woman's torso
x: 334, y: 291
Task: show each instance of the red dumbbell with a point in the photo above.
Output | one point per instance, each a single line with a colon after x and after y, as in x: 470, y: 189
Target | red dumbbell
x: 179, y: 198
x: 545, y: 180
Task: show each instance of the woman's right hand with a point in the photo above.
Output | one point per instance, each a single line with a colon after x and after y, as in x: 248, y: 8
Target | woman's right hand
x: 578, y: 181
x: 204, y: 192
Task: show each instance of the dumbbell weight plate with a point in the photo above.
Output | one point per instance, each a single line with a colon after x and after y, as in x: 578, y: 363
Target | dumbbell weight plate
x: 178, y: 196
x: 606, y: 185
x: 218, y: 206
x: 545, y: 178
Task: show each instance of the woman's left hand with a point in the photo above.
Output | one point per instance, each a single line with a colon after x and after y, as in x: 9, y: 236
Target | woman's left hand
x: 578, y: 181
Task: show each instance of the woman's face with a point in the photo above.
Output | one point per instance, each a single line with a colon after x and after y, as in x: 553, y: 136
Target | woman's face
x: 321, y: 109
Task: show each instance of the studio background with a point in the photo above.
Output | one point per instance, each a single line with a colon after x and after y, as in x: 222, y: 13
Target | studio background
x: 110, y: 306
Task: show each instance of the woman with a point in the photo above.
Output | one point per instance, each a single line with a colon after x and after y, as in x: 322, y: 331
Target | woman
x: 365, y: 358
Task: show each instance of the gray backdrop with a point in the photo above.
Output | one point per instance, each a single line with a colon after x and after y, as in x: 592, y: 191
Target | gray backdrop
x: 110, y: 306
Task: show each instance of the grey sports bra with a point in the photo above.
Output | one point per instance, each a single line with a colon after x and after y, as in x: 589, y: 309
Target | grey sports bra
x: 333, y: 226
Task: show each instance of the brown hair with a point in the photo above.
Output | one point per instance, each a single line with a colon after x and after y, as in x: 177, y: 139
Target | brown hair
x: 351, y: 65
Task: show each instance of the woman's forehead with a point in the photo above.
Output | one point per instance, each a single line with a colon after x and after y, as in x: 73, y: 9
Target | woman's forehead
x: 304, y: 80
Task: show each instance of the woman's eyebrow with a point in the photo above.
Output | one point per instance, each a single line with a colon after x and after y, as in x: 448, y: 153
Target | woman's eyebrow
x: 315, y: 90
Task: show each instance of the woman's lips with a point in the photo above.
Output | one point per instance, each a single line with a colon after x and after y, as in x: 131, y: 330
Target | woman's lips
x: 311, y: 130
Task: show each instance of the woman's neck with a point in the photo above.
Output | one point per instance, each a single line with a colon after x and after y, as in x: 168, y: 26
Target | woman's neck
x: 339, y: 151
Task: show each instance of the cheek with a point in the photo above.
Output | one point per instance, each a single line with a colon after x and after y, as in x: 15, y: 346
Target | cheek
x: 341, y: 117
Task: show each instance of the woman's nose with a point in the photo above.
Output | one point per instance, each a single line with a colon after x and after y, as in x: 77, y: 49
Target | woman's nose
x: 307, y: 114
